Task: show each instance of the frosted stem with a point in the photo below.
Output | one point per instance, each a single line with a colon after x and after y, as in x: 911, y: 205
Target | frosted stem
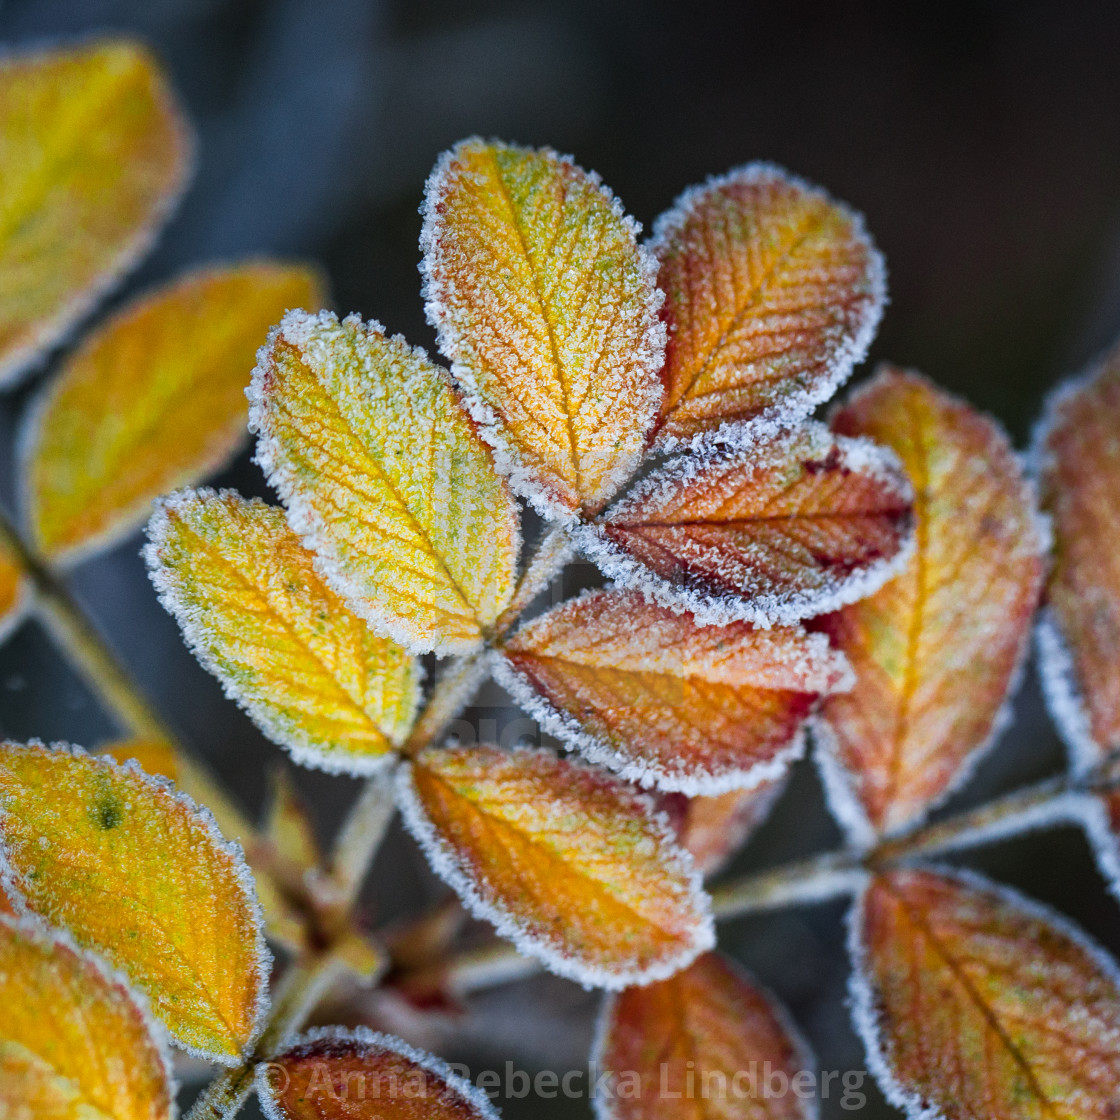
x: 553, y: 552
x: 360, y: 836
x: 299, y: 990
x: 454, y: 690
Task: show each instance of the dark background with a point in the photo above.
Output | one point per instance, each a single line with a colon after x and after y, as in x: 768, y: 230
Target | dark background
x: 981, y: 139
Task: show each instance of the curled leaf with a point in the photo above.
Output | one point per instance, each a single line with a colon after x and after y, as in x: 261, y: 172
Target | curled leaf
x: 1079, y: 463
x: 386, y: 479
x: 779, y: 532
x: 312, y: 675
x: 772, y: 293
x: 667, y: 702
x: 74, y: 1041
x: 152, y: 400
x: 702, y: 1043
x: 936, y: 650
x: 713, y: 829
x: 568, y: 862
x: 141, y: 875
x: 93, y: 152
x: 547, y: 307
x: 974, y: 1002
x: 332, y: 1074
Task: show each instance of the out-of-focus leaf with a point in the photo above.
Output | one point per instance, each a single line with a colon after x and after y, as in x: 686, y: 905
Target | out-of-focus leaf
x: 664, y: 701
x: 153, y: 756
x: 974, y: 1002
x: 772, y: 293
x: 936, y: 650
x: 547, y: 308
x: 713, y: 829
x: 1079, y: 460
x: 288, y: 826
x: 334, y: 1074
x: 153, y: 400
x: 93, y: 152
x: 776, y: 533
x: 386, y: 479
x: 564, y: 859
x: 702, y: 1044
x: 74, y: 1043
x: 6, y: 906
x: 15, y: 591
x: 139, y: 874
x: 312, y: 675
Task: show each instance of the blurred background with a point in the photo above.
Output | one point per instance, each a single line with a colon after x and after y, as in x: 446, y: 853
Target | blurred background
x: 980, y: 138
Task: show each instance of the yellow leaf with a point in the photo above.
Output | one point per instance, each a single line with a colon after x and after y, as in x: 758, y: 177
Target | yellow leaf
x: 312, y: 675
x: 772, y: 293
x: 705, y: 1044
x: 152, y: 400
x: 664, y: 701
x: 332, y: 1074
x: 137, y: 873
x: 386, y: 479
x: 547, y: 308
x: 288, y: 825
x: 905, y: 735
x: 74, y: 1043
x: 975, y: 1002
x: 566, y: 860
x: 93, y: 152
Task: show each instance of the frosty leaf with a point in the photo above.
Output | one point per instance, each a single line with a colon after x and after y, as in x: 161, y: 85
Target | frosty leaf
x: 697, y: 1045
x: 936, y: 650
x: 664, y: 701
x: 93, y: 152
x: 154, y: 399
x: 386, y: 479
x: 312, y: 675
x: 332, y: 1074
x: 74, y: 1043
x: 1080, y: 478
x: 142, y: 876
x: 772, y: 293
x: 547, y: 308
x: 775, y: 533
x: 974, y: 1002
x: 713, y: 829
x: 567, y: 861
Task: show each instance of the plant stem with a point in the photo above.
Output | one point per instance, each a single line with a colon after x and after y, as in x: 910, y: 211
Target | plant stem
x: 85, y: 646
x: 360, y: 836
x: 552, y: 553
x: 299, y: 990
x: 454, y: 689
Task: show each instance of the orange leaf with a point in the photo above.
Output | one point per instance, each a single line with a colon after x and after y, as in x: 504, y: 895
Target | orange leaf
x: 15, y: 592
x: 312, y: 675
x: 974, y: 1002
x: 772, y: 293
x: 1079, y: 637
x: 772, y: 534
x: 713, y: 829
x: 664, y: 701
x: 139, y: 874
x: 334, y: 1074
x: 152, y: 400
x: 93, y: 152
x: 151, y: 755
x: 567, y: 861
x: 704, y: 1043
x: 386, y: 479
x: 547, y: 308
x: 74, y: 1042
x: 905, y: 736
